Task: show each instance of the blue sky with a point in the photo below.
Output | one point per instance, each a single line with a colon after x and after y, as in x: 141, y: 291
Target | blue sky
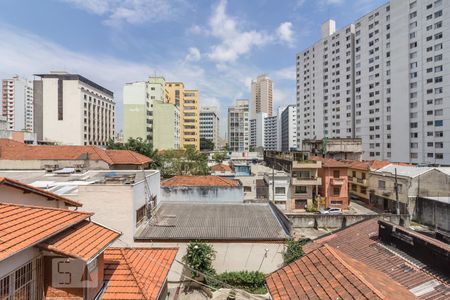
x: 216, y: 46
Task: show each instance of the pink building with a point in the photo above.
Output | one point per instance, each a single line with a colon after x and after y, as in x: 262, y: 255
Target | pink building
x: 334, y: 186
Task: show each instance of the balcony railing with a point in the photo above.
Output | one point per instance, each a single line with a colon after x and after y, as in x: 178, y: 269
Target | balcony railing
x: 306, y: 181
x: 337, y: 181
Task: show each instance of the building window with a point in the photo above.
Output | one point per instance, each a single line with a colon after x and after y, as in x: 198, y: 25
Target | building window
x: 280, y: 190
x: 140, y: 214
x: 300, y: 189
x: 336, y: 174
x: 381, y: 184
x: 247, y: 189
x: 336, y: 190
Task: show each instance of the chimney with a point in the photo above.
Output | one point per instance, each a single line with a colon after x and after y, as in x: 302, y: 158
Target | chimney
x: 328, y: 28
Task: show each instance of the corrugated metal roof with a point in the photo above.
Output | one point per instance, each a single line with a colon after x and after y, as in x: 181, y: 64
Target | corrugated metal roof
x: 187, y: 221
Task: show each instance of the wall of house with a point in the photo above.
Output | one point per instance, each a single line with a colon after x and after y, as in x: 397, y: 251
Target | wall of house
x: 356, y: 184
x: 41, y: 164
x: 432, y: 213
x: 326, y: 190
x: 16, y: 196
x: 17, y: 260
x: 113, y: 207
x: 203, y: 194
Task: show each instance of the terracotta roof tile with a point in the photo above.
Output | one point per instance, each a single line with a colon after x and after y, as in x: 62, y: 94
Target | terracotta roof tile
x: 25, y: 226
x: 84, y: 241
x: 12, y: 150
x: 221, y: 168
x: 136, y: 273
x: 327, y: 273
x: 329, y: 163
x: 199, y: 181
x: 360, y: 242
x: 25, y: 187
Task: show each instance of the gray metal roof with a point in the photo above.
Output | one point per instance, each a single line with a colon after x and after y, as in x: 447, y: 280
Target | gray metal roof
x: 206, y: 221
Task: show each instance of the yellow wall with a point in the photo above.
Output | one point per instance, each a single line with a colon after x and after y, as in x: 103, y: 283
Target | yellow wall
x: 355, y: 180
x: 188, y: 102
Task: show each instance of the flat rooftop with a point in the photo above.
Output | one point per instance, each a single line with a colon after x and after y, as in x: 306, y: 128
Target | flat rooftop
x: 213, y: 222
x: 68, y: 182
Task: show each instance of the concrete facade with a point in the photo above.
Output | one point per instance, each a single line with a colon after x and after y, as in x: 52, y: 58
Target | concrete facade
x: 18, y: 103
x: 209, y: 125
x: 166, y: 126
x: 73, y: 110
x: 262, y: 97
x: 288, y: 132
x: 214, y: 194
x: 398, y: 53
x: 278, y: 193
x: 238, y: 127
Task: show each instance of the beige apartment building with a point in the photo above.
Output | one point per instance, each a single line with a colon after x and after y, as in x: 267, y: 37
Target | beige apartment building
x: 188, y: 103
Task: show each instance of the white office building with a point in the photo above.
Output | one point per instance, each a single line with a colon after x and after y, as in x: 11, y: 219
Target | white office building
x: 288, y: 130
x: 238, y: 126
x: 71, y: 109
x: 257, y: 131
x: 17, y: 96
x: 398, y: 101
x: 209, y: 125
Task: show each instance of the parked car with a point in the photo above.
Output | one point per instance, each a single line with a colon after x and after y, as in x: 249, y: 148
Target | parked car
x: 331, y: 211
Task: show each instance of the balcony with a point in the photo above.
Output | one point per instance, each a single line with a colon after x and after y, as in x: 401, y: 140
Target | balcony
x: 356, y: 180
x: 307, y: 164
x: 306, y: 181
x: 337, y: 181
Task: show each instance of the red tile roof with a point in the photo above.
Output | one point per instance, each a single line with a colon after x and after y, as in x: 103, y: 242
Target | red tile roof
x: 366, y: 165
x: 25, y: 187
x: 83, y: 241
x: 13, y: 150
x: 327, y: 273
x: 136, y: 273
x: 25, y: 226
x: 329, y: 162
x: 360, y: 241
x: 199, y: 181
x: 221, y: 168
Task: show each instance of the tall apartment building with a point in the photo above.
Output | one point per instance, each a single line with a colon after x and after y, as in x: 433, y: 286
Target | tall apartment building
x: 257, y: 131
x: 71, y: 109
x: 262, y: 97
x: 209, y: 125
x: 271, y: 131
x: 288, y: 133
x: 238, y: 126
x: 401, y: 85
x: 18, y: 103
x: 188, y: 103
x: 148, y: 115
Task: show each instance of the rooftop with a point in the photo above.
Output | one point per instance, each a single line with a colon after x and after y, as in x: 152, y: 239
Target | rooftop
x: 84, y: 241
x: 13, y: 150
x: 136, y: 273
x: 327, y: 273
x: 329, y: 162
x: 360, y: 242
x: 68, y: 183
x: 221, y: 168
x: 407, y: 171
x: 24, y: 226
x: 28, y: 188
x: 199, y: 181
x: 235, y: 222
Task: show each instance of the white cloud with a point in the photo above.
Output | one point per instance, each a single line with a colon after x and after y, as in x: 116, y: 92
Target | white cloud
x: 285, y: 33
x: 193, y: 54
x: 286, y: 73
x: 131, y: 11
x: 331, y: 2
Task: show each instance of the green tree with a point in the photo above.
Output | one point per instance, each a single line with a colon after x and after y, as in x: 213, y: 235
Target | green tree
x: 219, y: 157
x: 183, y: 162
x: 206, y: 144
x: 199, y: 257
x: 293, y: 251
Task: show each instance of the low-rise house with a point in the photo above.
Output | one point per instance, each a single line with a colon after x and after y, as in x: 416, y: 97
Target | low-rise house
x: 121, y: 199
x: 370, y: 260
x: 57, y: 253
x: 241, y: 169
x: 278, y: 188
x: 246, y: 236
x: 304, y: 174
x: 334, y: 188
x: 18, y: 156
x: 433, y: 212
x: 358, y: 174
x: 201, y: 189
x: 222, y: 170
x: 412, y: 182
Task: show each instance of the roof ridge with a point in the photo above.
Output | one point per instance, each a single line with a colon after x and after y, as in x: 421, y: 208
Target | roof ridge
x: 95, y: 148
x: 138, y: 283
x: 353, y: 271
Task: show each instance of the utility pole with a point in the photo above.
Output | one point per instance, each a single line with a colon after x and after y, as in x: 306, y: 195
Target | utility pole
x: 396, y: 193
x: 273, y: 180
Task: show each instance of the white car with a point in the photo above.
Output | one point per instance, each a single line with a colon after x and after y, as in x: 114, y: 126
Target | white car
x: 331, y: 211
